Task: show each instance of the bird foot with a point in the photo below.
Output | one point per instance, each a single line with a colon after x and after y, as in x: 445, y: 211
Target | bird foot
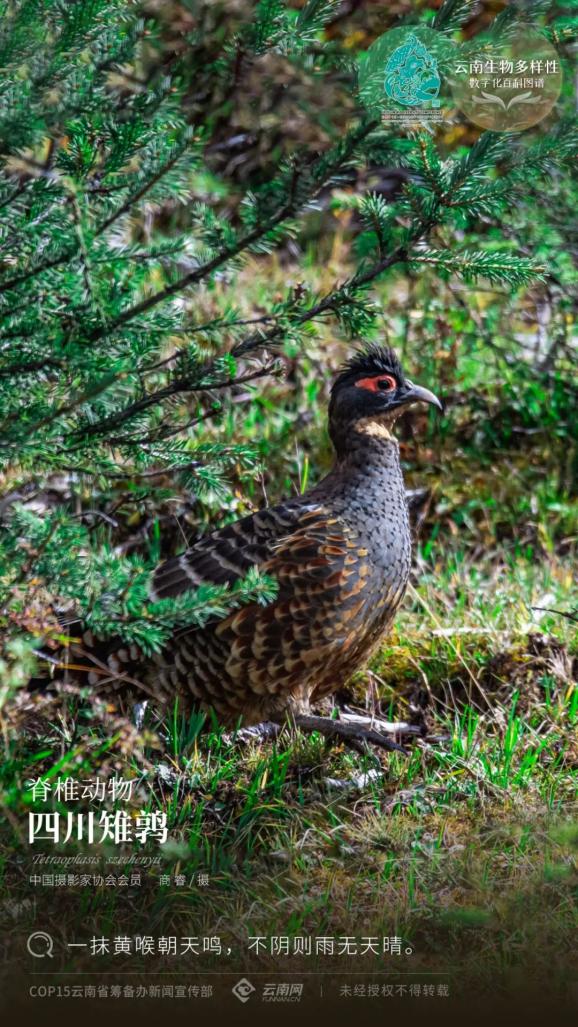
x: 356, y: 731
x: 138, y: 713
x: 389, y: 727
x: 267, y: 731
x: 353, y: 729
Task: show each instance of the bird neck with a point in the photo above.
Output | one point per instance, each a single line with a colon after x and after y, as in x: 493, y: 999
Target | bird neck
x: 367, y: 459
x: 371, y: 449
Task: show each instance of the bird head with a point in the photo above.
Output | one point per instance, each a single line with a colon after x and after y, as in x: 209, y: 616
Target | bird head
x: 370, y: 393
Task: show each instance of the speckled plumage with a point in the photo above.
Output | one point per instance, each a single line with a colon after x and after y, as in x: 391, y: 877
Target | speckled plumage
x: 341, y: 556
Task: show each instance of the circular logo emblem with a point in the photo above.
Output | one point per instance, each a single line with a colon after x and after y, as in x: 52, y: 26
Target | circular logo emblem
x: 411, y: 75
x: 403, y: 75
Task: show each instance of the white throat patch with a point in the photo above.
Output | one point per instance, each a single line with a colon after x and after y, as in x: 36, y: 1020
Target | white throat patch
x: 375, y: 426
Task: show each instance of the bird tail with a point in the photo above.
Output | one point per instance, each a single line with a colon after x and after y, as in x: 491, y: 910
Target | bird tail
x: 106, y: 666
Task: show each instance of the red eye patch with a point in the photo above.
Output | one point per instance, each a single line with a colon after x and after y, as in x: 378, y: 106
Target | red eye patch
x: 377, y: 383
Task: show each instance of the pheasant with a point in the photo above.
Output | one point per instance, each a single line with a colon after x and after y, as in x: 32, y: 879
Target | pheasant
x: 340, y: 554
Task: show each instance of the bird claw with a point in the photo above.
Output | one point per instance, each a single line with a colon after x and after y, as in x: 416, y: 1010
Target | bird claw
x: 388, y: 727
x: 355, y: 731
x: 267, y: 731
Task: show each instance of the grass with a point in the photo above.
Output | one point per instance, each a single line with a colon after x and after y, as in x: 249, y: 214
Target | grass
x: 466, y: 848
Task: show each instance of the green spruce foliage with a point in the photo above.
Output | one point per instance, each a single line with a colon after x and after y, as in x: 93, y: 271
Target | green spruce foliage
x: 108, y: 364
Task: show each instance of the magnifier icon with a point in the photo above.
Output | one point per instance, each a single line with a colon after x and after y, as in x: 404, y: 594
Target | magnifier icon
x: 40, y: 945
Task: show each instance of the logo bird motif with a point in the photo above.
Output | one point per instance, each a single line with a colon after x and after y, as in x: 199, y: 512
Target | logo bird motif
x: 411, y: 75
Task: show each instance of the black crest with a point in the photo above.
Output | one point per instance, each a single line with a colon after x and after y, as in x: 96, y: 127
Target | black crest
x: 373, y: 359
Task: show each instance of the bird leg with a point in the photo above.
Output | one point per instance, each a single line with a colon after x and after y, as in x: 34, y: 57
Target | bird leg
x: 355, y: 731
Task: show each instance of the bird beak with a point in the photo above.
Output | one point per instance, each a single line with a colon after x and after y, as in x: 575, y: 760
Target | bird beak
x: 417, y: 394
